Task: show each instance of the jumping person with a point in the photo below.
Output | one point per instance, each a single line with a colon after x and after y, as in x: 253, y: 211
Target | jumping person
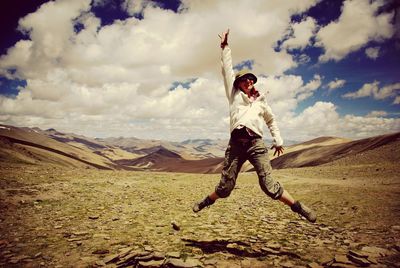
x: 248, y: 112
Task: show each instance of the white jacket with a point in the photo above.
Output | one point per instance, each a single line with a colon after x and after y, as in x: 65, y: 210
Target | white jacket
x: 243, y: 112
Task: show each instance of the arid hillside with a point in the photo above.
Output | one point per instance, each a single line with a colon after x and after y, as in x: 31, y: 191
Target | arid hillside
x: 325, y: 153
x: 44, y: 147
x: 32, y: 146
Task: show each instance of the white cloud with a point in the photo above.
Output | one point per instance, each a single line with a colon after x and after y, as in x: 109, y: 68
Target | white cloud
x: 302, y: 59
x: 362, y: 127
x: 373, y: 90
x: 99, y: 2
x: 201, y: 110
x: 322, y: 119
x: 372, y: 52
x: 300, y: 34
x: 357, y: 25
x: 115, y: 80
x: 288, y: 86
x: 122, y: 72
x: 377, y: 114
x: 134, y: 7
x: 337, y: 83
x: 133, y: 50
x: 365, y: 91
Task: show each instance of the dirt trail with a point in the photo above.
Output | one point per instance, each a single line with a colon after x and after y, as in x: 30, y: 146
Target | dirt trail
x: 56, y: 217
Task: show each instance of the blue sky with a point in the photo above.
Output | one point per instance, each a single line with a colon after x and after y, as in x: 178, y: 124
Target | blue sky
x: 150, y: 69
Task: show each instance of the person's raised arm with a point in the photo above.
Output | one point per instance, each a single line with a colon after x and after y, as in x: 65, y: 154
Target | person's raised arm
x: 226, y: 62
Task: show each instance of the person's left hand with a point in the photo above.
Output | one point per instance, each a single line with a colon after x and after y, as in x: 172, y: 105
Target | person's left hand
x: 224, y: 38
x: 278, y: 150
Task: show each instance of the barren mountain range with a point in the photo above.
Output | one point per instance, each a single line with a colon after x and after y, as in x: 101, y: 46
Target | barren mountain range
x: 69, y: 200
x: 51, y: 147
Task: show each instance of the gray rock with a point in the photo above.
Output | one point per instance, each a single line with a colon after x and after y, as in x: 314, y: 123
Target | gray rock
x: 150, y: 264
x: 127, y: 260
x: 101, y: 251
x: 342, y: 259
x: 145, y: 258
x: 179, y: 263
x: 100, y: 263
x: 275, y: 246
x: 111, y: 258
x: 175, y: 225
x: 395, y: 227
x: 372, y: 260
x: 360, y: 261
x: 232, y: 246
x: 358, y: 254
x: 342, y: 265
x: 80, y: 233
x: 174, y: 254
x: 148, y: 248
x: 375, y: 251
x: 287, y: 264
x: 270, y: 251
x: 326, y: 260
x: 314, y: 265
x: 124, y: 251
x: 210, y: 262
x: 158, y: 256
x: 17, y: 259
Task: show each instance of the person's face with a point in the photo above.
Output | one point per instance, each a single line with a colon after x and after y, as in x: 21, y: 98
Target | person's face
x: 246, y: 84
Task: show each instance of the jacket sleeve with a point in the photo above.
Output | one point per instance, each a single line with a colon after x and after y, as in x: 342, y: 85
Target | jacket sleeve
x: 269, y: 118
x: 227, y: 71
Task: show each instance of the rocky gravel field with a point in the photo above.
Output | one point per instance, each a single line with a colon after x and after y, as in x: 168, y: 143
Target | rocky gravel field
x: 55, y: 217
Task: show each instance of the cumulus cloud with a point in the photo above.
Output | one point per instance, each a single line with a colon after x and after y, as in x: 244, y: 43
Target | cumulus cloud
x: 137, y: 6
x: 372, y: 52
x: 337, y: 83
x: 116, y: 80
x: 300, y: 34
x: 373, y: 90
x: 133, y: 50
x: 323, y: 118
x: 122, y: 73
x: 358, y: 24
x: 377, y: 114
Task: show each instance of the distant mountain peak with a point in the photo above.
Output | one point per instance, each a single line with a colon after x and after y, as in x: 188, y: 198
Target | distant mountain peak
x: 162, y: 151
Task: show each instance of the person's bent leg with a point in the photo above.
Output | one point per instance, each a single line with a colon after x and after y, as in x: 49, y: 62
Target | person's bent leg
x: 258, y: 157
x: 287, y: 198
x: 232, y: 164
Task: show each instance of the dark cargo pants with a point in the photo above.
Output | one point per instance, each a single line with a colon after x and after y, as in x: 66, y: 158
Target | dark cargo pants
x: 257, y: 153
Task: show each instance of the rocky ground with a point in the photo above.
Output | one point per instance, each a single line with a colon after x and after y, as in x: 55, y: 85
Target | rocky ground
x: 55, y: 217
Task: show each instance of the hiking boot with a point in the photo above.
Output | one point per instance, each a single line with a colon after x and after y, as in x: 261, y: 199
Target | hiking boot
x: 200, y: 205
x: 304, y: 211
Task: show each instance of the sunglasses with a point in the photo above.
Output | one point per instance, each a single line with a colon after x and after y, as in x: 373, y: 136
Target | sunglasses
x: 244, y: 78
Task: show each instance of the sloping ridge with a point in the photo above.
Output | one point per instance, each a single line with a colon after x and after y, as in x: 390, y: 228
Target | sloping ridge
x: 23, y: 142
x: 204, y: 166
x: 317, y: 155
x: 46, y: 149
x: 166, y: 160
x: 161, y: 155
x: 319, y: 140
